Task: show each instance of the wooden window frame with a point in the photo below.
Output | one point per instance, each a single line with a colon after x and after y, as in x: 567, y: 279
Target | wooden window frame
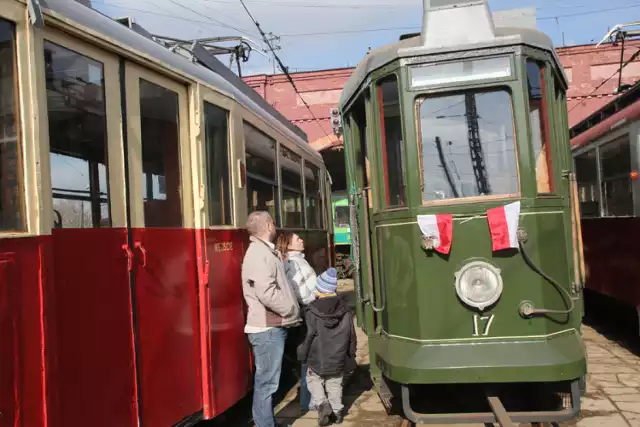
x: 545, y: 128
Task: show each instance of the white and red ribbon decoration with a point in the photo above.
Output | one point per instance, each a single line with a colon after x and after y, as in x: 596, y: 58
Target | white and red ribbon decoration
x: 439, y: 228
x: 503, y: 224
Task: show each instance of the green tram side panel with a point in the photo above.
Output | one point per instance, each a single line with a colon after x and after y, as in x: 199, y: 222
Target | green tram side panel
x: 418, y: 287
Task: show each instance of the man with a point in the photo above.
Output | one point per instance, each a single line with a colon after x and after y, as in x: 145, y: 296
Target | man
x: 272, y: 307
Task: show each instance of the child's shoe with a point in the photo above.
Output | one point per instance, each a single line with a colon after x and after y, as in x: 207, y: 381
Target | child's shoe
x: 324, y: 412
x: 339, y: 418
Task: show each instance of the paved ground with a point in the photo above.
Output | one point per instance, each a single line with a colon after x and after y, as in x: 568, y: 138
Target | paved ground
x: 613, y: 384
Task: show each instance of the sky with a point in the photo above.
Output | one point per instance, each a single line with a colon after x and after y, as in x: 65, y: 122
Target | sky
x: 337, y: 33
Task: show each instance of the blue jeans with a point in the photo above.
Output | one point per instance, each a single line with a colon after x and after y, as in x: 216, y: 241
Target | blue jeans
x: 305, y: 395
x: 268, y: 348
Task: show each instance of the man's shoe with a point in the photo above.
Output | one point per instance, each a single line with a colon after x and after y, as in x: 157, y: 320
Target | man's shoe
x: 339, y: 418
x: 324, y: 412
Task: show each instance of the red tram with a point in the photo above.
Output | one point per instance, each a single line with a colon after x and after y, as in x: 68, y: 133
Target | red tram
x: 127, y: 171
x: 606, y: 154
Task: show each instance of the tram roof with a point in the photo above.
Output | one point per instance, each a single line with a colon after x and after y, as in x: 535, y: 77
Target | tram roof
x: 95, y: 23
x: 505, y: 35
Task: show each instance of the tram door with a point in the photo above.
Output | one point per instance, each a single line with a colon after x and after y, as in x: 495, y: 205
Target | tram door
x: 362, y: 178
x: 162, y: 246
x: 88, y: 331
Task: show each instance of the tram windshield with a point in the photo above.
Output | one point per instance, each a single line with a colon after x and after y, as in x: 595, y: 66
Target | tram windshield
x: 467, y: 143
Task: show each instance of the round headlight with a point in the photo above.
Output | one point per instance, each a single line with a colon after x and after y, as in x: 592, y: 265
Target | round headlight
x: 479, y: 284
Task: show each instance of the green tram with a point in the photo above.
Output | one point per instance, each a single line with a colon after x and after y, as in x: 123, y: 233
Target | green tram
x: 467, y: 239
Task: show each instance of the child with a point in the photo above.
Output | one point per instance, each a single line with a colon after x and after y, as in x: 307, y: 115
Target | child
x: 329, y: 345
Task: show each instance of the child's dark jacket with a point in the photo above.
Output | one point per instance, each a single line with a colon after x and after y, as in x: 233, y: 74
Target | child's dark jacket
x: 329, y: 347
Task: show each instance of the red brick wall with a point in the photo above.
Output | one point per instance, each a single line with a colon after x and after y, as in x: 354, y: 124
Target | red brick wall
x: 586, y: 66
x: 320, y: 89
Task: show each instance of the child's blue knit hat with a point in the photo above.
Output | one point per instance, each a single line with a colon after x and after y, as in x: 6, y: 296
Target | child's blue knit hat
x: 327, y: 282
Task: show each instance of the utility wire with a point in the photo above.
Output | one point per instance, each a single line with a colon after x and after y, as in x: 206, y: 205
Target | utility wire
x: 627, y: 62
x: 208, y: 17
x: 284, y: 69
x: 355, y: 31
x: 542, y: 18
x: 211, y: 21
x: 321, y: 6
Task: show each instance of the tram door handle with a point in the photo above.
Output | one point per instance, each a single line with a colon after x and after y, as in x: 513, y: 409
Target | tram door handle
x: 129, y: 255
x: 143, y: 252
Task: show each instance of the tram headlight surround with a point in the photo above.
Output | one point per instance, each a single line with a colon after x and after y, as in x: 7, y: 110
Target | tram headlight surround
x: 479, y: 284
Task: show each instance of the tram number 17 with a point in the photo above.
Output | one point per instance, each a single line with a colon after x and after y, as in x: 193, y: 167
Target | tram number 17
x: 483, y: 322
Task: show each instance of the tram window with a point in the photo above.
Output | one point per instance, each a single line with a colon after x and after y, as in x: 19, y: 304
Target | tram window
x: 217, y: 149
x: 392, y: 144
x: 77, y: 138
x: 539, y: 121
x: 291, y: 174
x: 315, y: 217
x: 160, y: 156
x: 11, y: 203
x: 457, y: 163
x: 361, y: 142
x: 587, y: 180
x: 342, y: 217
x: 615, y: 164
x: 262, y: 181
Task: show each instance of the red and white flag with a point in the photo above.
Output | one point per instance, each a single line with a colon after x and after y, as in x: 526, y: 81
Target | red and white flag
x: 503, y: 223
x: 439, y: 228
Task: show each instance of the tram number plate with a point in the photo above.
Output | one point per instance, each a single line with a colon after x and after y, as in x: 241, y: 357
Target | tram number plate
x: 482, y: 325
x: 223, y: 247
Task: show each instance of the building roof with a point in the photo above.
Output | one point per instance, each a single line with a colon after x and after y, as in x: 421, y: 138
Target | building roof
x: 631, y: 96
x: 623, y: 109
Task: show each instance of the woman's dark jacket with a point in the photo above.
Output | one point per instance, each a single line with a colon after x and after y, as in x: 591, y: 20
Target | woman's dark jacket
x: 329, y: 347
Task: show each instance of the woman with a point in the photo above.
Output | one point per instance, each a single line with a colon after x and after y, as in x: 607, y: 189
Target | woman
x: 302, y: 278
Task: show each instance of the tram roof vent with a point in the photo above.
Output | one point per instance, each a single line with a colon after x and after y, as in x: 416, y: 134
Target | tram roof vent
x: 129, y: 22
x: 448, y: 23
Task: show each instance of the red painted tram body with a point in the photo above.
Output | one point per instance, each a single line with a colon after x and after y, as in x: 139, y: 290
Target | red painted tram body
x: 127, y: 172
x: 607, y: 159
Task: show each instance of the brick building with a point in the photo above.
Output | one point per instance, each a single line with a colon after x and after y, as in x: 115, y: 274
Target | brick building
x: 587, y: 66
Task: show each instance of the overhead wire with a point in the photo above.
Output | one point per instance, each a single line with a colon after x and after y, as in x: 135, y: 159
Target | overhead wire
x: 320, y: 6
x: 208, y: 17
x: 283, y: 68
x: 215, y: 10
x: 323, y: 33
x: 411, y: 28
x: 211, y: 21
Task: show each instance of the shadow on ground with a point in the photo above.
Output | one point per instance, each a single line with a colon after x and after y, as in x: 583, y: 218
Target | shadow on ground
x: 615, y: 321
x: 358, y: 387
